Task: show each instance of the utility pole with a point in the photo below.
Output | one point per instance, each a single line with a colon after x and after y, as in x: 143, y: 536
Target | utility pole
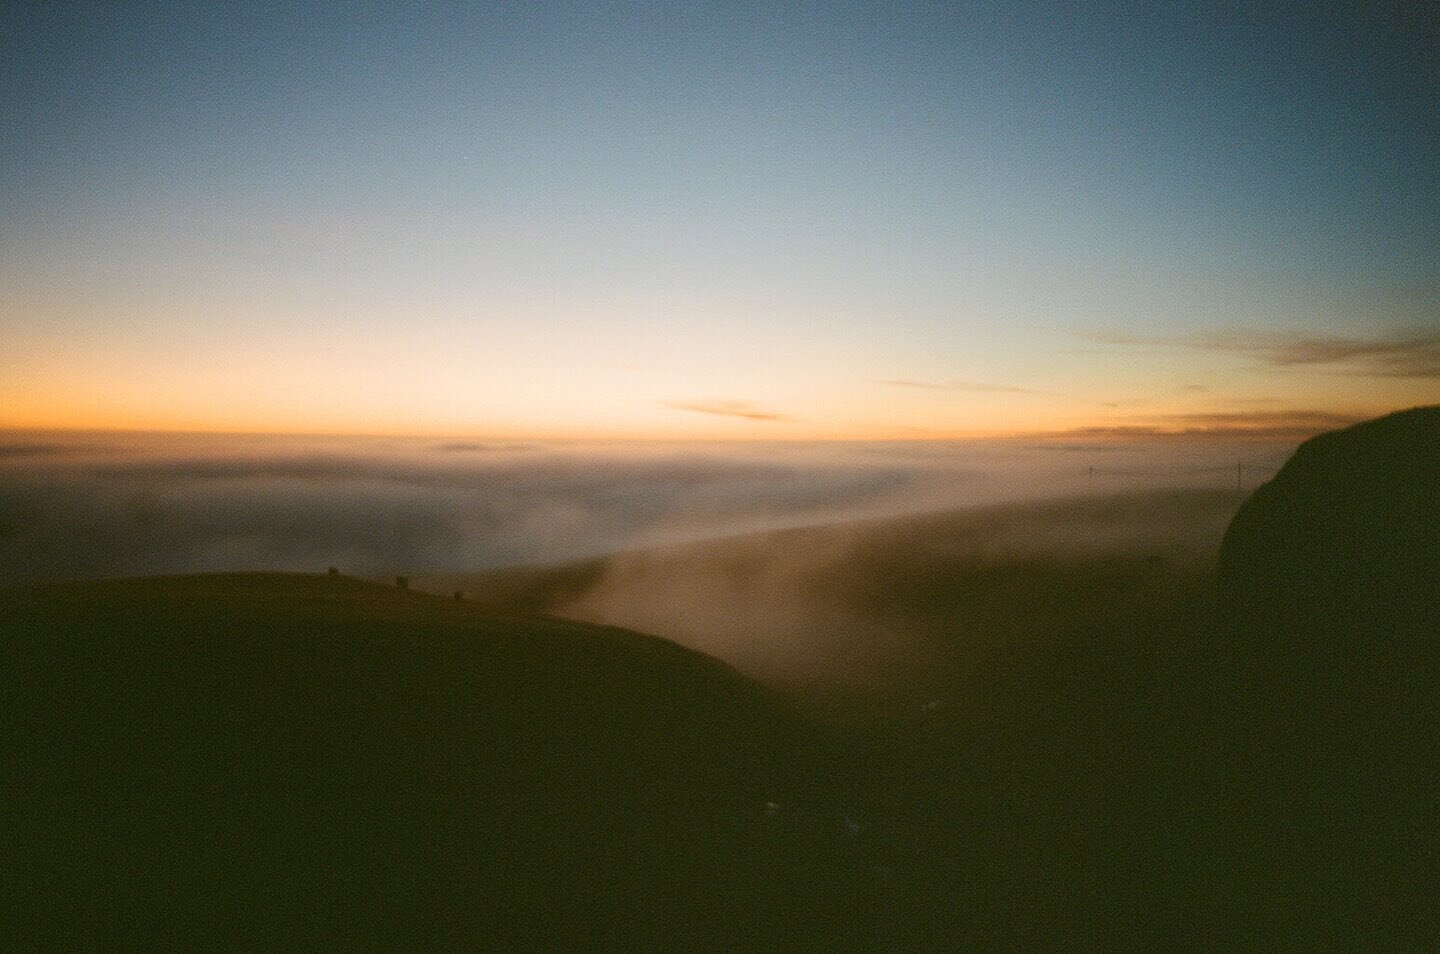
x: 1239, y: 466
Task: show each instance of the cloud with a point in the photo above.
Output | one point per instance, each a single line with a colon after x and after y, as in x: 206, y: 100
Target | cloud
x: 176, y: 504
x: 952, y: 386
x: 1287, y: 418
x: 1085, y: 448
x: 740, y: 409
x: 1410, y: 355
x: 30, y: 449
x: 1278, y: 424
x: 461, y: 447
x: 376, y: 507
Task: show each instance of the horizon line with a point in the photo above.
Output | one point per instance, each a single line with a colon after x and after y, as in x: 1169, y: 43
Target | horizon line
x: 1300, y: 429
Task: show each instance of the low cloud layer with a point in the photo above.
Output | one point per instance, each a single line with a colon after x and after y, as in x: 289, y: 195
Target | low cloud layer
x: 29, y: 449
x: 1282, y: 424
x: 79, y: 507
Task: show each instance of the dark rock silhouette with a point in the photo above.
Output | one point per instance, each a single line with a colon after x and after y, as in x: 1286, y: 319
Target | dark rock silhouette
x: 1349, y: 528
x: 1325, y: 684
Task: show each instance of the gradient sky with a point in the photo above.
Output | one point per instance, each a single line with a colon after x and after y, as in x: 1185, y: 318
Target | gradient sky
x: 718, y: 220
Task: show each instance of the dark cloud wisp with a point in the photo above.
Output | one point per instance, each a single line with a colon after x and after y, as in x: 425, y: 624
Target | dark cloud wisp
x: 1412, y: 355
x: 953, y: 386
x: 740, y: 409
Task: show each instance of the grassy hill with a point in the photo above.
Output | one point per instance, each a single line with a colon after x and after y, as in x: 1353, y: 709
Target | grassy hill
x: 315, y: 761
x: 261, y: 761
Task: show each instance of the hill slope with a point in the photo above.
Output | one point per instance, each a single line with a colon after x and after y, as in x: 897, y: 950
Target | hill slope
x: 265, y: 761
x: 1330, y: 581
x: 1347, y: 527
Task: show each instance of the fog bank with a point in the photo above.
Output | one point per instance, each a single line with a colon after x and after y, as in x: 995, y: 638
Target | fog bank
x: 96, y: 505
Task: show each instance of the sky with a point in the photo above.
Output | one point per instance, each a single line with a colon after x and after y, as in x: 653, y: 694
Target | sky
x: 749, y: 221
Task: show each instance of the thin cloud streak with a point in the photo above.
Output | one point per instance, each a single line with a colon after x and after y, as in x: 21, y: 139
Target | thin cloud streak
x: 1412, y: 355
x: 740, y: 409
x: 29, y: 449
x: 1277, y: 424
x: 952, y: 386
x: 462, y: 447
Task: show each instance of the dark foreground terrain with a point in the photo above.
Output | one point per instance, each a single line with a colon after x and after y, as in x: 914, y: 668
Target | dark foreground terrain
x: 281, y: 761
x: 266, y: 761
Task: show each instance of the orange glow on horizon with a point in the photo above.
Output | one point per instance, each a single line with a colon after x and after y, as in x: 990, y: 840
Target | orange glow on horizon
x: 1109, y: 427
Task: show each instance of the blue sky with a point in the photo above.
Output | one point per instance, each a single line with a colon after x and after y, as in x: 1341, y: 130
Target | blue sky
x: 721, y: 220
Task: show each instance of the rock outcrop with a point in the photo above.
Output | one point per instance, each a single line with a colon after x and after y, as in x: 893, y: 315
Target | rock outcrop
x: 1326, y: 696
x: 1346, y: 535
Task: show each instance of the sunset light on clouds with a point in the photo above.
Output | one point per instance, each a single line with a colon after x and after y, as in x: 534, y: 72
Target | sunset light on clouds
x: 717, y: 221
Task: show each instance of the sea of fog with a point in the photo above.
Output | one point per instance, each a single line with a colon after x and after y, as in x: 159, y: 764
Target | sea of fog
x: 76, y: 506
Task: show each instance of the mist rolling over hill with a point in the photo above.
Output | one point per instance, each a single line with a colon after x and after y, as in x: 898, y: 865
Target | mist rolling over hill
x: 905, y: 609
x: 859, y: 571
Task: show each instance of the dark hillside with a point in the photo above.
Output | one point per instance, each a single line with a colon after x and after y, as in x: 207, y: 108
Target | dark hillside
x: 266, y: 761
x: 1330, y: 584
x: 1347, y: 527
